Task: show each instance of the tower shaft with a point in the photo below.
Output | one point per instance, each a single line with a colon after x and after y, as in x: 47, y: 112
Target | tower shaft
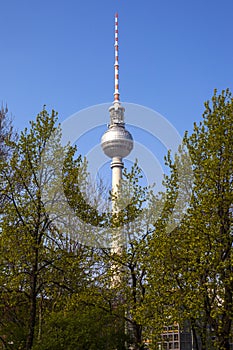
x: 117, y: 165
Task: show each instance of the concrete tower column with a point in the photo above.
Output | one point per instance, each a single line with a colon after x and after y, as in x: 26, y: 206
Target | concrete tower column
x: 116, y: 165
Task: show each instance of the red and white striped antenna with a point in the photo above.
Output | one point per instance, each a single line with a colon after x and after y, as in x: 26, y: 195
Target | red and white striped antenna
x: 116, y: 65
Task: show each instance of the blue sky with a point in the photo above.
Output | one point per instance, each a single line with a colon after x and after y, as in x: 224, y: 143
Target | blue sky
x: 60, y: 53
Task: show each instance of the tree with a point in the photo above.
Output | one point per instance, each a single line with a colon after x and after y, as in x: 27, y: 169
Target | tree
x: 6, y: 136
x: 6, y: 132
x: 78, y: 324
x: 33, y: 250
x: 211, y: 147
x: 194, y: 261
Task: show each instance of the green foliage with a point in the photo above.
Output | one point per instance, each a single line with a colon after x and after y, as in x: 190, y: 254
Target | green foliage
x: 32, y: 249
x: 81, y: 327
x: 192, y: 275
x: 166, y: 265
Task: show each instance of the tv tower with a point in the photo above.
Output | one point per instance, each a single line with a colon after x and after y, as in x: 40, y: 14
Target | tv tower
x: 116, y: 142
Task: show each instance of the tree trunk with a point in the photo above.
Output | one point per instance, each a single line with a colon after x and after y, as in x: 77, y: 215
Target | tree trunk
x: 32, y: 307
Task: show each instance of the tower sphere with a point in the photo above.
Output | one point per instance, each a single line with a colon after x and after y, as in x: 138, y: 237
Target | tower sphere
x: 117, y: 142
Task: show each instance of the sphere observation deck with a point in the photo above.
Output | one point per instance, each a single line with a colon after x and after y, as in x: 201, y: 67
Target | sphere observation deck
x: 117, y: 141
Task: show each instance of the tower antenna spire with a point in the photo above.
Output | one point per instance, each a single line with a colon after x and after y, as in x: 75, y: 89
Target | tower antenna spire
x: 116, y: 65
